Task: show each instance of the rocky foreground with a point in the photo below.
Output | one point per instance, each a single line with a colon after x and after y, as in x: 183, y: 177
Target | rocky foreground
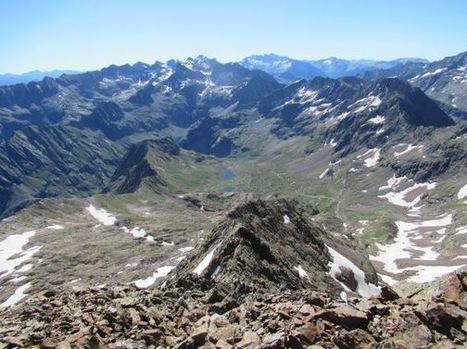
x: 125, y: 317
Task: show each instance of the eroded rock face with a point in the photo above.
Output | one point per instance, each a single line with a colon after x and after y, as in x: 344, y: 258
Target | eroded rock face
x: 125, y: 317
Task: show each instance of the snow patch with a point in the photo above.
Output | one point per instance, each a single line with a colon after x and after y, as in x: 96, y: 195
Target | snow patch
x: 101, y: 215
x: 301, y: 272
x: 370, y: 157
x: 409, y: 148
x: 205, y: 262
x: 12, y: 246
x: 399, y: 198
x: 185, y: 249
x: 160, y: 272
x: 55, y: 227
x: 392, y: 183
x: 286, y: 219
x: 364, y: 289
x: 18, y: 295
x: 324, y: 173
x: 462, y: 194
x: 376, y: 120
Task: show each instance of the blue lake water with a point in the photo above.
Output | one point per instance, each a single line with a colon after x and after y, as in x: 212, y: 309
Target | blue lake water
x: 228, y: 174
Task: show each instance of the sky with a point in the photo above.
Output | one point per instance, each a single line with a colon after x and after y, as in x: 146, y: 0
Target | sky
x: 91, y: 34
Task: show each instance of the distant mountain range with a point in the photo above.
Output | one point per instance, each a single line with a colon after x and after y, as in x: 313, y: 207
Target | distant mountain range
x: 102, y: 112
x: 288, y: 69
x: 36, y: 75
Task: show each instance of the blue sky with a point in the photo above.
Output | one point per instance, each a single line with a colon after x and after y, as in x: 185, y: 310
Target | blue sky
x: 90, y: 34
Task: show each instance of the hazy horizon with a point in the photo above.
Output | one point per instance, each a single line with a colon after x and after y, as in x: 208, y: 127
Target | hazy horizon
x: 89, y: 35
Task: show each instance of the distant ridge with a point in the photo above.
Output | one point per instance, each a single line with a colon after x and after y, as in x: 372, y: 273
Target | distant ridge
x: 35, y: 75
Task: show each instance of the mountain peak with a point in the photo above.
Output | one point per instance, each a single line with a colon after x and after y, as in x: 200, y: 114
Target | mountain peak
x: 141, y: 164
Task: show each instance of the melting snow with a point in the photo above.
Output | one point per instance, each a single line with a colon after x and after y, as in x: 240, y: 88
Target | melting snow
x: 409, y: 148
x: 399, y: 198
x: 461, y: 230
x: 376, y: 120
x: 301, y: 272
x: 393, y: 183
x: 138, y: 233
x: 364, y: 289
x: 365, y: 103
x: 16, y: 297
x: 370, y: 157
x: 101, y: 215
x: 11, y: 246
x: 55, y: 227
x: 205, y: 262
x: 185, y: 249
x: 160, y: 272
x: 404, y: 245
x: 462, y: 194
x: 325, y: 172
x: 165, y: 243
x: 430, y: 273
x: 286, y: 219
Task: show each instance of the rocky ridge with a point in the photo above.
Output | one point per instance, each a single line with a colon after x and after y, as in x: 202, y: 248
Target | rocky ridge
x: 124, y: 317
x: 270, y: 245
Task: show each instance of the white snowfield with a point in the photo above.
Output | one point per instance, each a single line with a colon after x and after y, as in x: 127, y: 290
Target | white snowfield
x: 370, y: 157
x: 101, y: 215
x: 160, y: 272
x: 13, y: 246
x: 16, y: 297
x: 286, y: 219
x: 206, y: 261
x: 400, y: 198
x: 364, y: 289
x: 13, y: 260
x: 405, y: 246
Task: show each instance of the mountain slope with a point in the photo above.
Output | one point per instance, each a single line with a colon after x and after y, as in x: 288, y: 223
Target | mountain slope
x: 49, y: 161
x: 445, y: 80
x: 142, y: 163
